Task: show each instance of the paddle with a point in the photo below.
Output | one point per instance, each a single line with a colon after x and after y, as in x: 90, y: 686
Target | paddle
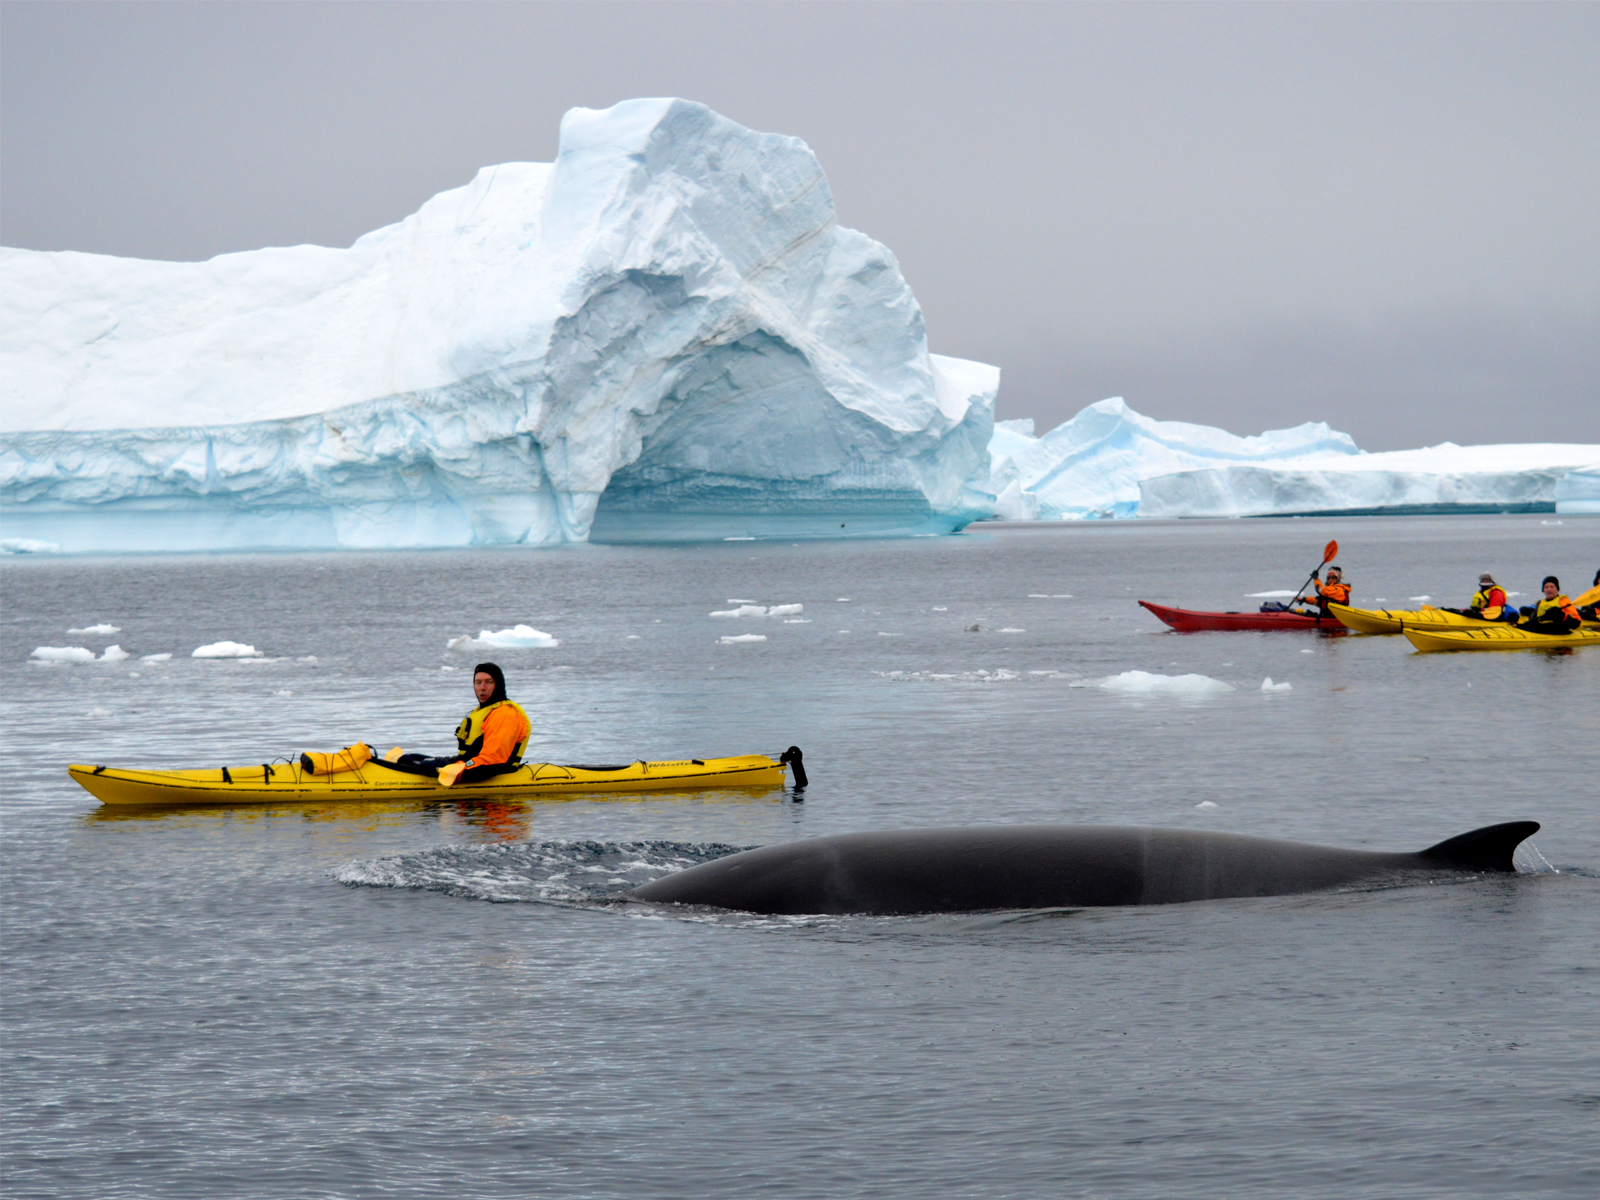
x: 1329, y: 553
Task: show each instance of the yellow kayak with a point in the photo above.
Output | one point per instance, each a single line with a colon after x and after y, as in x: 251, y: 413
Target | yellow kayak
x: 266, y: 783
x: 1396, y: 620
x: 1501, y: 637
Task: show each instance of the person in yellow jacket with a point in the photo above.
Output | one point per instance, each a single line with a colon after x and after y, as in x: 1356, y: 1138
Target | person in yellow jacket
x: 1554, y: 614
x: 489, y: 741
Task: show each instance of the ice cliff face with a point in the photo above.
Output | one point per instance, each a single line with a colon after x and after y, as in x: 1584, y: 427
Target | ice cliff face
x: 668, y: 318
x: 1095, y: 464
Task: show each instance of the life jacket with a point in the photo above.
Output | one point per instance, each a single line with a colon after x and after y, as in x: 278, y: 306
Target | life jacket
x: 469, y: 734
x: 1490, y: 601
x: 1335, y: 593
x: 1547, y: 610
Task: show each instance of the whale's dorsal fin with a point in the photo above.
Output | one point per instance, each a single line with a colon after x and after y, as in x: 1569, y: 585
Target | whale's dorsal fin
x: 1486, y: 849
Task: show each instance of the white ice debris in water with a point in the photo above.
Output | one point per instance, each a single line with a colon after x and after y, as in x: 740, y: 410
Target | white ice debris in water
x: 798, y: 621
x: 226, y: 650
x: 785, y: 610
x: 744, y: 610
x: 155, y: 658
x: 518, y: 637
x: 28, y: 546
x: 62, y: 654
x: 1143, y: 683
x: 1308, y: 652
x: 101, y: 630
x: 666, y: 320
x: 940, y: 608
x: 1008, y: 629
x: 1206, y: 804
x: 980, y: 676
x: 733, y: 638
x: 736, y: 600
x: 1419, y: 599
x: 1278, y: 595
x: 114, y: 654
x: 1268, y: 686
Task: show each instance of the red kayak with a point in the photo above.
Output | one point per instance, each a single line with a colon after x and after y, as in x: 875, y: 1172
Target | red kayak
x: 1186, y: 621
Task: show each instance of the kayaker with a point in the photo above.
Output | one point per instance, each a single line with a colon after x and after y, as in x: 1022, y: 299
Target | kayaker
x: 1554, y: 614
x: 1588, y: 604
x: 1335, y: 591
x: 1488, y: 602
x: 490, y: 739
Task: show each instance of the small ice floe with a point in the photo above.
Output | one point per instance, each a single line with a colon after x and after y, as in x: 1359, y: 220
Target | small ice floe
x: 1268, y: 686
x: 744, y: 610
x: 1549, y: 522
x: 1278, y: 595
x: 62, y: 654
x: 736, y: 600
x: 632, y: 637
x: 980, y: 676
x: 283, y: 692
x: 155, y: 658
x: 785, y: 610
x: 1308, y: 652
x: 1009, y: 629
x: 881, y: 633
x: 226, y: 650
x: 518, y: 637
x: 940, y: 608
x: 1038, y: 595
x: 114, y: 654
x: 1206, y: 804
x: 28, y: 546
x: 798, y: 621
x: 734, y: 638
x: 1143, y: 683
x: 843, y: 600
x: 1061, y: 595
x: 100, y: 630
x: 1419, y: 599
x: 738, y: 539
x: 98, y: 713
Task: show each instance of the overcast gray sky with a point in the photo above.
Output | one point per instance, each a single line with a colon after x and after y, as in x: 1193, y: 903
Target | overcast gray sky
x: 1381, y: 216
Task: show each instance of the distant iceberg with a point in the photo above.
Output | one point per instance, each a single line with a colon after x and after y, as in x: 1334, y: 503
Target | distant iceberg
x: 1096, y: 464
x: 1439, y: 479
x: 1109, y: 461
x: 663, y: 333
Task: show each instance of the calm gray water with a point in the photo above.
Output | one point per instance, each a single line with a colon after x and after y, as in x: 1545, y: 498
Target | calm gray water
x: 439, y: 1000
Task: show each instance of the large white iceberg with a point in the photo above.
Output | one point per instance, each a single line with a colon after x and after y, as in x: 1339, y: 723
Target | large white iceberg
x: 665, y: 330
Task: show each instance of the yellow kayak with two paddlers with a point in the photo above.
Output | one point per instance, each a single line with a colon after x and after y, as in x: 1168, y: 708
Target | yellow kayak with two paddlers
x: 290, y: 782
x: 1420, y: 620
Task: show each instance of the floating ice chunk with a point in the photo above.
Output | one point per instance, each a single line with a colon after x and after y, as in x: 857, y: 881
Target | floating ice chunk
x: 1038, y: 595
x: 1419, y: 599
x: 1061, y: 595
x: 1281, y: 594
x: 881, y: 633
x: 98, y: 713
x: 940, y: 608
x: 226, y: 650
x: 155, y: 658
x: 114, y: 654
x: 28, y: 546
x: 798, y: 621
x: 785, y: 610
x: 744, y: 610
x: 632, y: 637
x: 844, y: 600
x: 62, y: 654
x: 738, y: 539
x: 1143, y: 683
x: 736, y: 600
x: 1011, y: 630
x: 1206, y: 804
x: 308, y: 658
x: 1308, y: 652
x: 101, y: 630
x: 283, y: 692
x: 1268, y: 686
x: 733, y: 638
x: 518, y: 637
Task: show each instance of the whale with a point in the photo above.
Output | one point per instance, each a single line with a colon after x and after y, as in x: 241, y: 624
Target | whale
x: 972, y: 868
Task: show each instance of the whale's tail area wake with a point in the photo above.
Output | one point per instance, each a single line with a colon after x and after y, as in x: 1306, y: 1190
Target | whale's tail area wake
x: 1488, y: 849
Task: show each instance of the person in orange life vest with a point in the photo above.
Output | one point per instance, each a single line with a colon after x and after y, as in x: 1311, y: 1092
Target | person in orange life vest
x: 1335, y: 591
x: 1591, y: 610
x: 490, y: 739
x: 1554, y: 614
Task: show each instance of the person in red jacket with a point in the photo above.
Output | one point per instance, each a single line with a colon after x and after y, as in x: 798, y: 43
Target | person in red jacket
x: 1489, y: 602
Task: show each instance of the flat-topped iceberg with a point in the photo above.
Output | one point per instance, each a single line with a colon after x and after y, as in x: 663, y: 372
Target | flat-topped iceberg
x: 1109, y: 461
x: 663, y: 332
x: 1532, y: 477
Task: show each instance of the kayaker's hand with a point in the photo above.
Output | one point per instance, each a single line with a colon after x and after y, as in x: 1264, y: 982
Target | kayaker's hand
x: 450, y: 773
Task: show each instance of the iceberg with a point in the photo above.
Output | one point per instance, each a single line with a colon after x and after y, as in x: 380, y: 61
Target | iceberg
x: 1095, y: 464
x: 663, y: 333
x: 1109, y: 461
x: 1437, y: 479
